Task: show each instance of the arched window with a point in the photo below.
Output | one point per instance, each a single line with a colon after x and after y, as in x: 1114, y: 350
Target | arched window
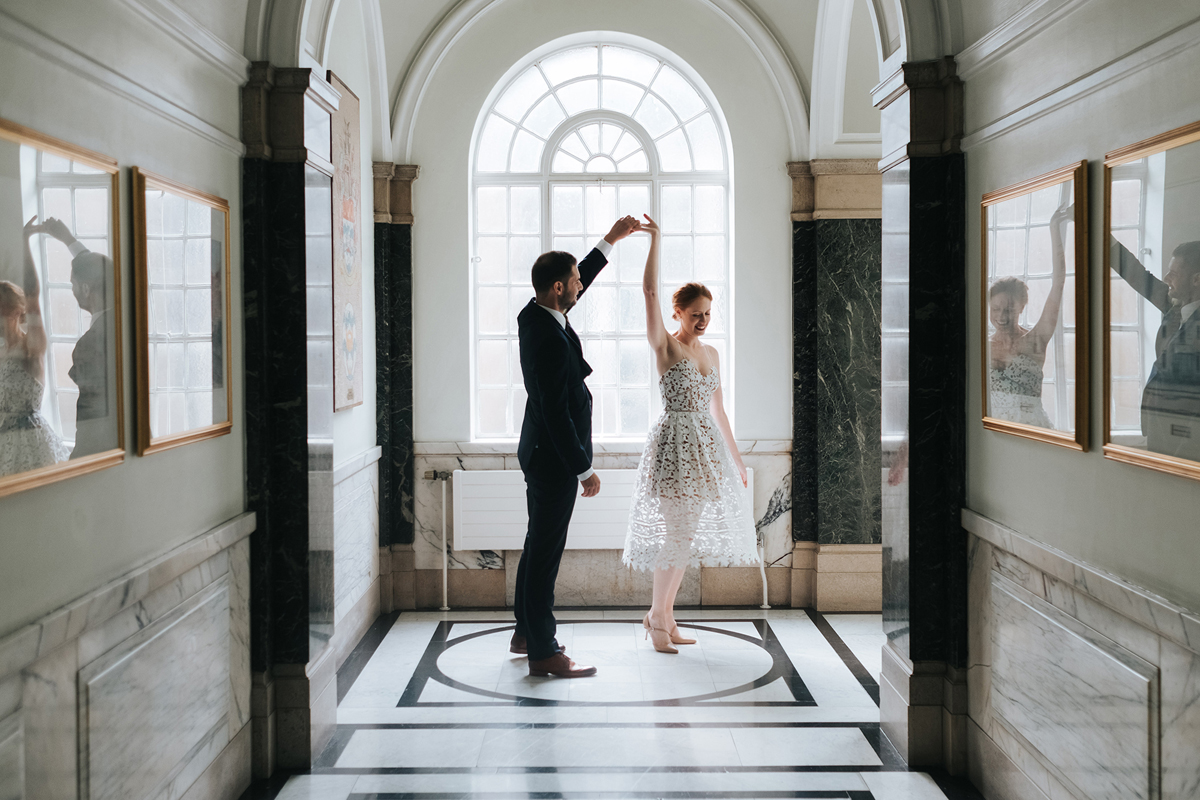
x: 575, y: 140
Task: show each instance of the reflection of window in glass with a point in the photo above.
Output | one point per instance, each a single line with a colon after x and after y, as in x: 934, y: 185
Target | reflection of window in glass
x: 575, y: 141
x: 318, y: 238
x: 1131, y: 347
x: 80, y: 196
x: 184, y: 298
x: 1019, y: 244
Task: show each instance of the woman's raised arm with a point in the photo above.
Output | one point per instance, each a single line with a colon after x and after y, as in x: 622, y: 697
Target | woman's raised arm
x: 656, y: 331
x: 35, y: 330
x: 1048, y: 322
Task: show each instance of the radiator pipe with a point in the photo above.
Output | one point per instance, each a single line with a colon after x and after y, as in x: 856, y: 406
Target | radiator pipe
x: 445, y: 553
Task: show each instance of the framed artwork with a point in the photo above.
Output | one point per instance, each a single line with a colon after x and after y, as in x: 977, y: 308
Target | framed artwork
x: 347, y: 250
x: 1152, y: 303
x: 1034, y: 308
x: 181, y: 278
x: 60, y: 308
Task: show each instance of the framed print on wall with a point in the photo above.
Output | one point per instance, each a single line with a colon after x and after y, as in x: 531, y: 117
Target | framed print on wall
x: 1034, y: 308
x: 181, y: 277
x: 345, y: 146
x: 1152, y: 303
x: 60, y: 308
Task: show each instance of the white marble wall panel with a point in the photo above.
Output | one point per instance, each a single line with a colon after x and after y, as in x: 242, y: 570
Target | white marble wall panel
x: 1180, y: 753
x: 773, y: 505
x: 154, y: 709
x: 239, y: 636
x: 1087, y: 708
x: 598, y: 578
x: 356, y: 538
x: 12, y: 758
x: 427, y: 498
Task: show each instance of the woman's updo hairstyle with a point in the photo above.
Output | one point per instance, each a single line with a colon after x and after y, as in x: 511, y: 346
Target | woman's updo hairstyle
x: 1013, y: 287
x: 689, y: 293
x: 12, y: 299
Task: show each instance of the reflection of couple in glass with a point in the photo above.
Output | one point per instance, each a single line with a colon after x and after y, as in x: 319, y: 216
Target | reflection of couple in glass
x: 27, y: 440
x: 1017, y: 354
x: 1171, y: 397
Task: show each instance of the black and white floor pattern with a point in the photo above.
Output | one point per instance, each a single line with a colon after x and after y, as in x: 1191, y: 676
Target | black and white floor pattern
x: 767, y: 704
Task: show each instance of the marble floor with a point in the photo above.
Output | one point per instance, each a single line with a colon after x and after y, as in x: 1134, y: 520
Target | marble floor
x: 767, y: 704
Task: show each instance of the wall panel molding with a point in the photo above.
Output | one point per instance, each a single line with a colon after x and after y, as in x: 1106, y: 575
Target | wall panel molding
x: 1165, y: 47
x: 172, y: 20
x: 34, y: 41
x: 1018, y: 29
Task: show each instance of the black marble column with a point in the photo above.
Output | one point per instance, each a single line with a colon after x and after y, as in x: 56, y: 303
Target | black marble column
x: 836, y: 374
x: 393, y: 325
x: 273, y: 236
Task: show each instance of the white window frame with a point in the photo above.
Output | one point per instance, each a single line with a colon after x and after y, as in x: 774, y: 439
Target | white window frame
x: 546, y: 179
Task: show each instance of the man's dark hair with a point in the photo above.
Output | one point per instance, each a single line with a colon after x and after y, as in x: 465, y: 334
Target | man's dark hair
x: 1189, y: 254
x: 550, y: 268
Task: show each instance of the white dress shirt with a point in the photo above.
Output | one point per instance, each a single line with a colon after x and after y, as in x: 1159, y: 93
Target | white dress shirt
x: 605, y: 249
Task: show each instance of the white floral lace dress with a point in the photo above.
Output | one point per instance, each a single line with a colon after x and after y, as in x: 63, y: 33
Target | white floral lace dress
x: 27, y: 441
x: 689, y: 506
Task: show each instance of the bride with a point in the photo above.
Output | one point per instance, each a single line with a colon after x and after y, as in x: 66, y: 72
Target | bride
x: 690, y: 503
x: 27, y: 441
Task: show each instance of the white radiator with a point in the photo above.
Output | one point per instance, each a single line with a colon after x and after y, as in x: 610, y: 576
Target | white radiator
x: 490, y: 511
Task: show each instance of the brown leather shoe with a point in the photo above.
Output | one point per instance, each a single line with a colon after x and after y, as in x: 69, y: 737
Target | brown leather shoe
x: 559, y: 666
x: 517, y: 645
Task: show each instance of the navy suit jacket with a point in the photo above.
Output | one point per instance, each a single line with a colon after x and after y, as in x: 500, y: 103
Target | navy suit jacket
x: 556, y: 433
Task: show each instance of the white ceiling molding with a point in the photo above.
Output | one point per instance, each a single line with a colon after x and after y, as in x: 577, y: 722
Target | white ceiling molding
x: 52, y: 50
x: 180, y: 26
x: 275, y: 32
x: 463, y: 16
x: 828, y: 139
x: 1016, y: 30
x: 1181, y: 39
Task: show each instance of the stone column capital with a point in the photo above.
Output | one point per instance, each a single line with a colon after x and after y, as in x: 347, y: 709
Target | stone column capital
x: 933, y: 114
x: 393, y: 192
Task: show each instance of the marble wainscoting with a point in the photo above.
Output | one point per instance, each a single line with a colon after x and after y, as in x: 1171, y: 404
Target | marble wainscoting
x: 588, y: 577
x: 140, y: 688
x: 356, y: 552
x: 1081, y: 684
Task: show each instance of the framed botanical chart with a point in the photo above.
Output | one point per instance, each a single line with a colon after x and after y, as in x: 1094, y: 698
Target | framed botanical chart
x: 347, y: 250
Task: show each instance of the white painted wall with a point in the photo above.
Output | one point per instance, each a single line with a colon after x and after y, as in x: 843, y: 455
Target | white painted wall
x: 354, y: 428
x: 761, y: 195
x: 61, y: 541
x: 1136, y: 523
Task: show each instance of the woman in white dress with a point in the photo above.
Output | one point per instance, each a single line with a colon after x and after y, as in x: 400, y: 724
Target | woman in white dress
x: 690, y: 504
x: 27, y: 441
x: 1018, y: 354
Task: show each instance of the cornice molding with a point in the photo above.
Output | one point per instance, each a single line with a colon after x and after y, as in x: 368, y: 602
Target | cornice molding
x: 1177, y: 41
x: 203, y: 43
x: 52, y: 50
x: 1018, y: 29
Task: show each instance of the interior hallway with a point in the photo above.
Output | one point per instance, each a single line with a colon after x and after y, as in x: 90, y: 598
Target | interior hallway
x: 780, y: 703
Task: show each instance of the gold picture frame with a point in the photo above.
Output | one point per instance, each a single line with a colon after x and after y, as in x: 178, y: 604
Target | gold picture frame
x: 103, y: 459
x: 1075, y: 438
x: 147, y: 442
x: 1114, y: 161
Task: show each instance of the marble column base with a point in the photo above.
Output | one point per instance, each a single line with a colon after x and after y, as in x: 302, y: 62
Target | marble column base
x: 468, y: 588
x: 923, y: 711
x: 848, y: 577
x: 401, y: 577
x: 305, y: 710
x: 262, y: 723
x: 804, y: 574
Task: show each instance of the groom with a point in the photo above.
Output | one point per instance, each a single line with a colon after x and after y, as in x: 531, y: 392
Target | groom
x: 556, y: 443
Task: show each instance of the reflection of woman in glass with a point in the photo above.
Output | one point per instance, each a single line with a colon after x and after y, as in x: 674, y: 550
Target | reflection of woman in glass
x: 1017, y: 354
x: 26, y: 439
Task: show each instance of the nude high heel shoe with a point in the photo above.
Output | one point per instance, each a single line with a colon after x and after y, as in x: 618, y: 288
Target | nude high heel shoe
x: 659, y: 637
x: 678, y: 638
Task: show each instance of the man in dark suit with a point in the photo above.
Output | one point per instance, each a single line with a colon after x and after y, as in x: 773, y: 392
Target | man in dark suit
x: 1171, y: 397
x: 556, y: 443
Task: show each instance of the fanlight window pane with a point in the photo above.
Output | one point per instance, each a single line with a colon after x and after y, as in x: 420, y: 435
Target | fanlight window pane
x: 493, y: 145
x: 620, y: 96
x: 526, y: 153
x: 627, y: 144
x: 673, y: 153
x: 601, y: 164
x: 575, y: 146
x: 566, y: 163
x: 521, y: 96
x: 571, y: 64
x: 635, y: 163
x: 655, y: 117
x: 591, y: 137
x: 545, y: 117
x: 620, y: 62
x: 579, y: 97
x: 677, y: 93
x: 706, y: 144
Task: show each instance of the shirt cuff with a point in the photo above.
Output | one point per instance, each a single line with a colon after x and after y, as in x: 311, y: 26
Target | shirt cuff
x: 583, y: 476
x: 76, y: 248
x: 604, y: 247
